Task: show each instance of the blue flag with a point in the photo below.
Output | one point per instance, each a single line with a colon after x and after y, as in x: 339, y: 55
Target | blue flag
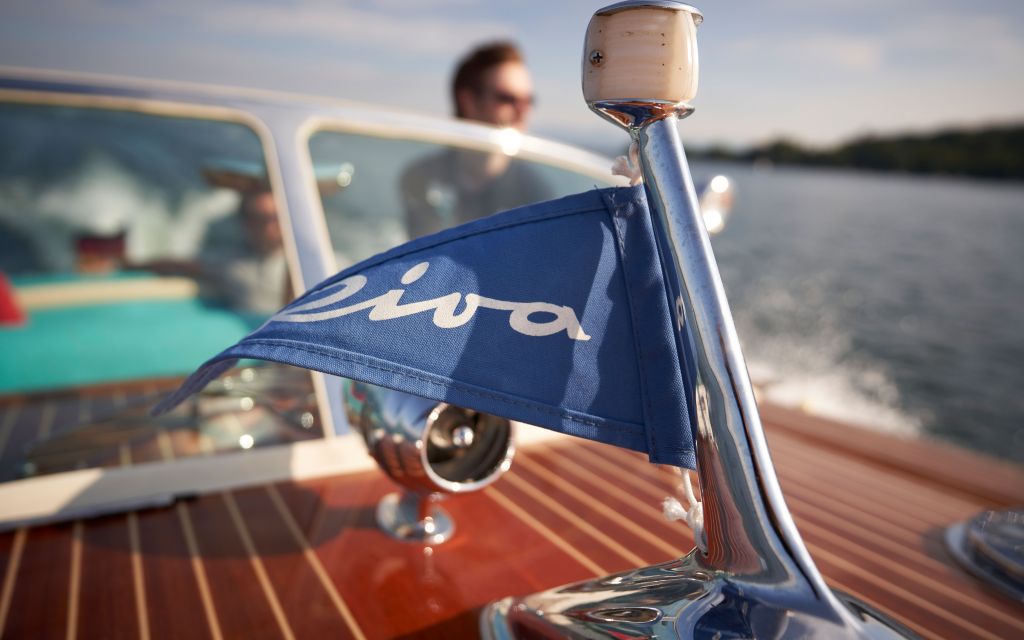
x: 555, y: 314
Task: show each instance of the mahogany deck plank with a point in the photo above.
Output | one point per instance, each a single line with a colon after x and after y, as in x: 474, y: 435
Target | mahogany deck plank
x: 174, y: 607
x: 605, y: 559
x: 566, y: 512
x: 621, y: 485
x: 308, y: 607
x: 6, y: 551
x: 628, y: 539
x: 436, y: 589
x: 996, y: 481
x: 13, y: 546
x: 39, y: 600
x: 904, y: 558
x: 241, y: 605
x: 106, y: 609
x: 952, y: 606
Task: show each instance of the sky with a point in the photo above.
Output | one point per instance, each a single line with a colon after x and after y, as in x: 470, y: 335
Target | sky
x: 815, y: 71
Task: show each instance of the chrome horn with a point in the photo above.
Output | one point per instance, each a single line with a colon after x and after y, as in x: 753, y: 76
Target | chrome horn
x: 755, y: 578
x: 431, y: 449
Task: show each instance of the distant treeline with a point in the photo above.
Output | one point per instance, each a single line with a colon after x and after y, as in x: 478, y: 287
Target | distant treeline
x: 992, y: 152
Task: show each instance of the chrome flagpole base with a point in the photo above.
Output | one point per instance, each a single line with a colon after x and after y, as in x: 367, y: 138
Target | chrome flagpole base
x: 412, y: 518
x: 673, y: 600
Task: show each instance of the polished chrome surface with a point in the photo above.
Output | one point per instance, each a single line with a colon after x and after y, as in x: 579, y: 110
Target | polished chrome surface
x: 632, y: 114
x: 991, y: 546
x: 677, y: 599
x: 429, y: 448
x: 413, y: 518
x: 756, y: 578
x: 749, y: 531
x: 698, y: 17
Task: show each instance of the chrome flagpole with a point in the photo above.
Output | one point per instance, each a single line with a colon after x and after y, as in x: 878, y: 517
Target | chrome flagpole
x: 753, y: 576
x: 749, y: 532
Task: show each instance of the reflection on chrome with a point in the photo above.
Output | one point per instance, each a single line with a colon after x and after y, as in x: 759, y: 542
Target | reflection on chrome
x: 431, y: 449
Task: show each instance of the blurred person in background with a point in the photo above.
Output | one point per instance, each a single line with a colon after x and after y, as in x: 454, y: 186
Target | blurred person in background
x: 250, y: 274
x: 493, y: 86
x: 241, y: 263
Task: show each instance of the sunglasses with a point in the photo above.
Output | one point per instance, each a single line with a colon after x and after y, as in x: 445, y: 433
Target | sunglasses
x: 510, y: 99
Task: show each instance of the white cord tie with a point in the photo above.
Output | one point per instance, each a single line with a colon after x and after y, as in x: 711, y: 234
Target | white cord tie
x: 693, y: 516
x: 629, y: 165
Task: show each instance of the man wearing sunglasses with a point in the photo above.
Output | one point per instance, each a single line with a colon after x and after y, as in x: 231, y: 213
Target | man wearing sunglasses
x: 492, y: 86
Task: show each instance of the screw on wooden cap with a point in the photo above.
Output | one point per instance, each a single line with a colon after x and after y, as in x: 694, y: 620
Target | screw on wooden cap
x: 636, y: 51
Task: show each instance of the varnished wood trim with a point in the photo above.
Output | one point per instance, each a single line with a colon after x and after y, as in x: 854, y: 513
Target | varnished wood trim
x: 896, y: 564
x: 209, y: 610
x: 926, y: 502
x: 622, y: 470
x: 856, y: 536
x: 598, y: 506
x: 74, y: 581
x: 813, y: 506
x: 870, y: 473
x: 547, y: 533
x: 257, y: 566
x: 11, y: 575
x: 314, y: 562
x: 983, y: 476
x: 901, y: 525
x: 899, y: 592
x: 138, y: 578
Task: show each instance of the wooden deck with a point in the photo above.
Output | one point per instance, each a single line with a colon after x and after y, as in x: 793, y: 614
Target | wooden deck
x: 305, y: 560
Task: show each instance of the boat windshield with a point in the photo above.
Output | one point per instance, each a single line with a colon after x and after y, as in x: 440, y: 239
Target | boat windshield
x: 132, y: 247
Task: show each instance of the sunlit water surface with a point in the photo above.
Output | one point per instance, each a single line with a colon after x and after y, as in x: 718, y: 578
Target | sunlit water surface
x: 888, y: 300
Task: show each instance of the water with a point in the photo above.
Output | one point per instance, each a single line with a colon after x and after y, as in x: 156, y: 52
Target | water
x: 888, y: 300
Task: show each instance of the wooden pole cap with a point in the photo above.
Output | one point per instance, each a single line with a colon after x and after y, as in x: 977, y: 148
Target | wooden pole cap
x: 641, y: 51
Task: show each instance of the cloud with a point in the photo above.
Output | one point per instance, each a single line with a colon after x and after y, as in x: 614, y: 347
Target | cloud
x: 376, y: 31
x: 963, y: 39
x: 851, y: 53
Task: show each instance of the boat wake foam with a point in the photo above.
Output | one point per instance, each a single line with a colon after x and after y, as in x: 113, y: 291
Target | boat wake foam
x: 814, y: 379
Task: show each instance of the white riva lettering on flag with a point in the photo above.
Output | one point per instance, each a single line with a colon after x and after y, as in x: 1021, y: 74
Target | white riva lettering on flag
x: 388, y: 306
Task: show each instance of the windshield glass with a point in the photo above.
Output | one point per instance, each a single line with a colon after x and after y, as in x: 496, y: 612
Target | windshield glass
x: 134, y: 246
x: 379, y: 192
